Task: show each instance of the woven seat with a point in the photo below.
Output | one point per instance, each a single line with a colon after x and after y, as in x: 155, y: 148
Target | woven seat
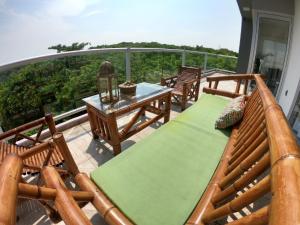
x: 37, y: 160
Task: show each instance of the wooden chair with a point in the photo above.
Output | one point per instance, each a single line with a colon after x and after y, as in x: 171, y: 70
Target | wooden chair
x: 186, y: 85
x: 15, y: 141
x: 51, y: 190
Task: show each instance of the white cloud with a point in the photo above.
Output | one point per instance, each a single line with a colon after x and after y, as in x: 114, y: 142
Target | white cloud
x: 28, y: 35
x: 2, y: 5
x: 93, y: 13
x: 68, y: 7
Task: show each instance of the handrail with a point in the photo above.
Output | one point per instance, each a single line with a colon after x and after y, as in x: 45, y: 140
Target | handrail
x: 285, y: 161
x: 126, y: 51
x: 22, y: 62
x: 239, y: 78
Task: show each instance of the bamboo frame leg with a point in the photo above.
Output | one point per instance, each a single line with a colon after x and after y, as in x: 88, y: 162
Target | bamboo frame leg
x: 167, y: 108
x: 117, y: 149
x: 114, y: 133
x: 59, y: 140
x: 64, y: 202
x: 183, y: 99
x: 51, y: 212
x: 10, y: 174
x: 92, y: 121
x: 107, y: 210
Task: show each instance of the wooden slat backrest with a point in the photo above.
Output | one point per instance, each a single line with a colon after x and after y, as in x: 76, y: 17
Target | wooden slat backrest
x: 262, y: 152
x: 39, y: 124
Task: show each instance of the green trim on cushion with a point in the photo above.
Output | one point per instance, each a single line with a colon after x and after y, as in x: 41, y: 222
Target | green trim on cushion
x: 160, y: 179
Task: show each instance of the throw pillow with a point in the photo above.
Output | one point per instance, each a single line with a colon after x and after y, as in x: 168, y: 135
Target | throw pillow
x: 232, y: 113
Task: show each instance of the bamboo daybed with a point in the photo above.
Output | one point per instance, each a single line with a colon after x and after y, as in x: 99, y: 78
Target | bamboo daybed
x: 261, y: 151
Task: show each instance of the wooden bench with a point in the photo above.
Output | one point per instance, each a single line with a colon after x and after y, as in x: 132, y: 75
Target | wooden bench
x: 261, y: 155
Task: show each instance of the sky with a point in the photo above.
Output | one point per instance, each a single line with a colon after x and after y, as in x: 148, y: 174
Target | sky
x: 29, y: 27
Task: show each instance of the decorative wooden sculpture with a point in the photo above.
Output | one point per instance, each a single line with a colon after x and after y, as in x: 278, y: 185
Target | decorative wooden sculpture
x: 107, y: 83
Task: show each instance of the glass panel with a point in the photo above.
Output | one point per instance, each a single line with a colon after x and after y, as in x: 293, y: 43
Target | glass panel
x: 271, y: 50
x: 295, y: 119
x: 143, y: 92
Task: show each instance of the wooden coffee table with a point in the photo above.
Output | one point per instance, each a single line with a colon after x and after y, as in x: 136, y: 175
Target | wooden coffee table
x: 103, y: 117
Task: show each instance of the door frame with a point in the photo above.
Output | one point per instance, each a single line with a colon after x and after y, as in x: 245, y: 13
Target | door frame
x: 257, y: 15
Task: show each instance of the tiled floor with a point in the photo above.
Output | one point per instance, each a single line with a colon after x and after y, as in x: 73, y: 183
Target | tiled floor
x: 89, y: 154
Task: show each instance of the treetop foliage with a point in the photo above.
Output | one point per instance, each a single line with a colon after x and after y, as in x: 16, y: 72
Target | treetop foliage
x: 57, y: 86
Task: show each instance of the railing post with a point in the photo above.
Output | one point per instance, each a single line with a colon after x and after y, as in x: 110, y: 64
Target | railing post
x: 183, y: 58
x: 127, y: 64
x: 205, y: 62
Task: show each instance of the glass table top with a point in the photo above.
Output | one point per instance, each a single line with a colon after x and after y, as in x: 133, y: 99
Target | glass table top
x: 143, y: 92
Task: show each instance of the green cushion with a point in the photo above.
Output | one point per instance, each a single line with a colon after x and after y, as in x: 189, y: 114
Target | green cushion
x: 160, y: 179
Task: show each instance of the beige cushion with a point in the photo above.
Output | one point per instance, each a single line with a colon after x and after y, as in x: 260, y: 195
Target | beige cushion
x: 232, y: 113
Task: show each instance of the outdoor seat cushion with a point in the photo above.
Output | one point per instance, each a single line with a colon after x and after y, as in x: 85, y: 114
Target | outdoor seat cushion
x: 160, y: 179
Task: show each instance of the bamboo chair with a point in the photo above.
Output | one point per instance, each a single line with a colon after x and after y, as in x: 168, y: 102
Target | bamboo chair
x: 51, y: 190
x: 15, y: 141
x: 186, y: 85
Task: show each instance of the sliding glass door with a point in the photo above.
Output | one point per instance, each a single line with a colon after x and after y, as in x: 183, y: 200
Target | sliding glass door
x: 272, y: 40
x: 295, y: 119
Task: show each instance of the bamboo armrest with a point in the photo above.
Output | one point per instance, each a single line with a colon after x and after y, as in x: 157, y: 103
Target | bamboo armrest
x: 231, y: 77
x: 190, y: 81
x: 48, y: 119
x: 169, y: 78
x: 22, y: 128
x: 169, y: 81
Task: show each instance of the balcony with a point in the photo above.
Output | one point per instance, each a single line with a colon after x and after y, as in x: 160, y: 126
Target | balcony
x: 75, y: 74
x: 87, y: 152
x: 90, y: 154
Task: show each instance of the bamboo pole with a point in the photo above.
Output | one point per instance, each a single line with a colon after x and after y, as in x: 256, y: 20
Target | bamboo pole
x: 245, y: 153
x: 260, y: 217
x: 285, y: 162
x: 44, y: 193
x: 254, y: 121
x: 244, y: 165
x: 35, y: 150
x: 104, y: 206
x: 50, y: 123
x: 67, y: 207
x: 59, y: 140
x: 238, y: 203
x: 260, y: 129
x: 10, y: 175
x: 244, y: 180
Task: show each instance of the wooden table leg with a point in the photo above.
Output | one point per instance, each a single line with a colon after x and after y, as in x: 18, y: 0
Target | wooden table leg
x: 93, y: 122
x: 167, y: 108
x: 117, y: 149
x: 114, y: 133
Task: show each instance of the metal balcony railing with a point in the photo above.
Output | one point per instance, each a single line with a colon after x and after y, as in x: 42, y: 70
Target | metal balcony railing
x: 183, y: 57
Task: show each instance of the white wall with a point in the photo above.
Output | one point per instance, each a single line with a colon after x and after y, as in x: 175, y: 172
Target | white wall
x: 292, y: 77
x: 280, y: 6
